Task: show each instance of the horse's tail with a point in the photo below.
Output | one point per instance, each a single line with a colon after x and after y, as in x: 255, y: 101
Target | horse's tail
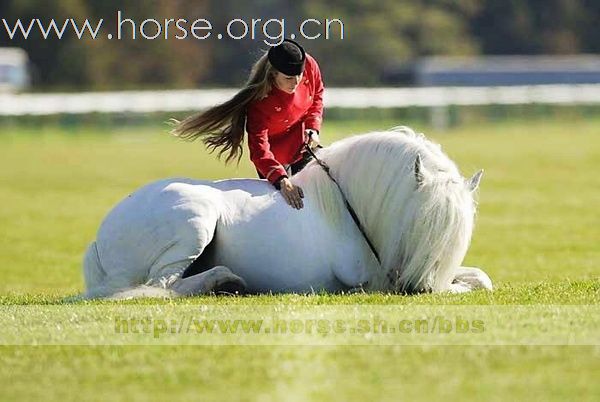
x: 93, y: 273
x: 437, y: 234
x: 97, y: 285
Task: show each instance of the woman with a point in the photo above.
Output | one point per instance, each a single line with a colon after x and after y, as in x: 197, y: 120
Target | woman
x: 281, y: 108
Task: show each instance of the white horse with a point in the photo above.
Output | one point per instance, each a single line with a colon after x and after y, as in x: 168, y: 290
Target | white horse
x: 187, y: 237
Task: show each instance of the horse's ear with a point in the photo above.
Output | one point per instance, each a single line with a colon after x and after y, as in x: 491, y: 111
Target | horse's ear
x: 419, y: 171
x: 473, y: 182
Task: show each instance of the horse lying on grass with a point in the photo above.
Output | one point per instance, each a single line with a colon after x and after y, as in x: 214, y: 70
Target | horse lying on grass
x: 184, y: 237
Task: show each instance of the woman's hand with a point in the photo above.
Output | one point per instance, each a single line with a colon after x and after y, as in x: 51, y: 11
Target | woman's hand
x: 313, y: 138
x: 293, y: 194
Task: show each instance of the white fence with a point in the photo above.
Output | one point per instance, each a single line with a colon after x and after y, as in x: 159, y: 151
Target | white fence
x: 189, y: 100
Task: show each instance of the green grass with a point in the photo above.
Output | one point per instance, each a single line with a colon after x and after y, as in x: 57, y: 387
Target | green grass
x: 537, y: 235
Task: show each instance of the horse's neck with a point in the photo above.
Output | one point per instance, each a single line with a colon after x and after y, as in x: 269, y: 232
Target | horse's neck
x: 364, y: 186
x: 371, y: 206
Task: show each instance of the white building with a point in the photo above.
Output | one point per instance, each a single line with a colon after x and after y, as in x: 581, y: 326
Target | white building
x: 14, y: 71
x: 480, y: 71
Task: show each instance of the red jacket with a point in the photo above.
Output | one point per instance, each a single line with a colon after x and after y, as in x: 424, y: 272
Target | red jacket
x: 276, y: 123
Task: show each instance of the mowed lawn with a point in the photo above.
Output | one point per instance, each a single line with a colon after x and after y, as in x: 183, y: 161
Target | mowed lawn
x: 537, y: 235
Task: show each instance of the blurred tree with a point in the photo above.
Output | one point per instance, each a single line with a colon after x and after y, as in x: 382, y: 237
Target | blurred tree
x: 588, y: 26
x: 159, y: 62
x: 102, y: 63
x: 234, y: 58
x: 53, y: 59
x: 536, y: 26
x: 377, y: 33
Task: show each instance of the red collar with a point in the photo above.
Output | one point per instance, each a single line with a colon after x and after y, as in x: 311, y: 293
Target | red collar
x: 280, y: 92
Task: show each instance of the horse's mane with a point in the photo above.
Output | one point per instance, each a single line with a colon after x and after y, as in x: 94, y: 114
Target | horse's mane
x: 419, y: 230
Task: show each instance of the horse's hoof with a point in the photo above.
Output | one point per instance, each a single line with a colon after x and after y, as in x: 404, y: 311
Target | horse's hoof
x: 472, y: 279
x: 229, y: 283
x: 231, y: 288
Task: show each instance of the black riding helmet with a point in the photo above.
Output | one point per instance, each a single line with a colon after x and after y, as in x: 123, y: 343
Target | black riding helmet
x: 288, y: 57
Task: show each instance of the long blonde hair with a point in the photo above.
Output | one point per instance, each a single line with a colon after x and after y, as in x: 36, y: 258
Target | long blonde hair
x: 222, y: 127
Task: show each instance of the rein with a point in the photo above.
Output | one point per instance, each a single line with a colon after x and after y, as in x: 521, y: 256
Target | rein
x: 325, y: 167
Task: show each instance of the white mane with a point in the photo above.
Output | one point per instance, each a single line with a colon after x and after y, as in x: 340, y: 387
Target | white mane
x: 421, y: 225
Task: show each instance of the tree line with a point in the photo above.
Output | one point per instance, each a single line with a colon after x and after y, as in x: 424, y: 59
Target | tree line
x: 376, y: 34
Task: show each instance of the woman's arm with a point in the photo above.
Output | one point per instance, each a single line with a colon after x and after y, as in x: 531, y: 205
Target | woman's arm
x: 314, y: 115
x: 260, y: 149
x: 264, y: 160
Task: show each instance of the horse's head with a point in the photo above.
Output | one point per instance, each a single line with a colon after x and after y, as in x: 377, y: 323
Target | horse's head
x: 436, y: 224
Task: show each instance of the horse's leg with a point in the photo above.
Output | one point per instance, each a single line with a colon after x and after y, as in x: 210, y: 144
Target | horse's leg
x: 467, y: 279
x: 194, y: 240
x: 217, y: 279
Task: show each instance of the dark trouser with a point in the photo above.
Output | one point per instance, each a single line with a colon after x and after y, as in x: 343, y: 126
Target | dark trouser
x: 294, y: 167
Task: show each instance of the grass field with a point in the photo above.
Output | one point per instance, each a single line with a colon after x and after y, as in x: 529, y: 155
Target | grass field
x: 537, y: 235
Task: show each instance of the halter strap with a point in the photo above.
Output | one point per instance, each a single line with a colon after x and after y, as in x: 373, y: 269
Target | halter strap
x: 325, y: 167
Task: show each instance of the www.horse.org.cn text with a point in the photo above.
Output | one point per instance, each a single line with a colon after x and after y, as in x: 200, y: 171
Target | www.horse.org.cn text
x: 271, y: 31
